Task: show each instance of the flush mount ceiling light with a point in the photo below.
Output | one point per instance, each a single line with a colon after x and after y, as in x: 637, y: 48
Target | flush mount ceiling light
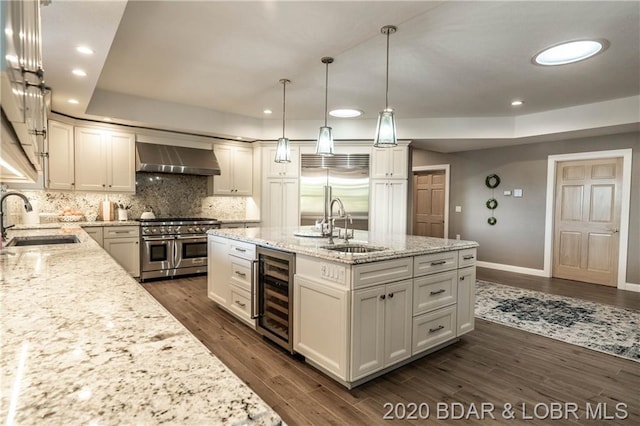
x: 79, y: 72
x: 345, y: 113
x: 324, y: 145
x: 267, y: 111
x: 386, y: 129
x: 85, y: 50
x: 570, y: 52
x: 517, y: 102
x: 283, y: 150
x: 73, y: 101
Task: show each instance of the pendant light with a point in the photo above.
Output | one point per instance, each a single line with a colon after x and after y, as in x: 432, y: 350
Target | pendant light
x: 325, y: 146
x: 283, y: 150
x: 386, y: 128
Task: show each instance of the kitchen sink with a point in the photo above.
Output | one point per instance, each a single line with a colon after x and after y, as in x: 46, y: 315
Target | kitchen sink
x: 42, y: 240
x: 352, y: 248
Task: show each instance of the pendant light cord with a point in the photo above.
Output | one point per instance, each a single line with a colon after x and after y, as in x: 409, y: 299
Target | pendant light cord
x: 326, y: 93
x: 284, y: 103
x: 386, y: 93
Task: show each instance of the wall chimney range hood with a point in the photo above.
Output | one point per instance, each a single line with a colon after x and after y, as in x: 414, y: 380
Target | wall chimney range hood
x: 158, y: 158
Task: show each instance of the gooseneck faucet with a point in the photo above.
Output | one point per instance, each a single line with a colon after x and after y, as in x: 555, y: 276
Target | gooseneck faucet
x: 27, y: 207
x: 341, y: 213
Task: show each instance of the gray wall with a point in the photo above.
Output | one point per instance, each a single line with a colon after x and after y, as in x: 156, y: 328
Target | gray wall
x: 518, y: 237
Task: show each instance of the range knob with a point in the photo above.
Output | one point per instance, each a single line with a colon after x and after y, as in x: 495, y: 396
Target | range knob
x: 190, y: 230
x: 154, y: 230
x: 198, y: 229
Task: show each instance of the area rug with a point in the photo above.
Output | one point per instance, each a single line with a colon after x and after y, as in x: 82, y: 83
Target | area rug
x: 603, y: 328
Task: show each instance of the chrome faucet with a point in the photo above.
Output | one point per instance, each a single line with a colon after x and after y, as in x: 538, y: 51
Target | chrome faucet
x: 331, y: 219
x: 27, y: 207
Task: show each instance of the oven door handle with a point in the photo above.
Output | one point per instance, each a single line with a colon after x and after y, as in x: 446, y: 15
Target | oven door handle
x: 157, y: 239
x: 253, y: 289
x: 196, y: 237
x: 176, y: 261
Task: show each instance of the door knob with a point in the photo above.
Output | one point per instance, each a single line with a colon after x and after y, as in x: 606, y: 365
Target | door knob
x: 615, y: 230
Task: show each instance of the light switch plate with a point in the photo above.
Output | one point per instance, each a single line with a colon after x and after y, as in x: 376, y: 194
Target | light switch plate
x: 507, y: 193
x: 517, y: 192
x: 458, y: 209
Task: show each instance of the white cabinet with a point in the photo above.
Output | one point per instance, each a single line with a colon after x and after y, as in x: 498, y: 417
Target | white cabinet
x: 381, y: 333
x: 96, y: 233
x: 281, y: 203
x: 236, y: 170
x: 389, y: 163
x: 218, y: 270
x: 123, y: 244
x: 388, y: 206
x: 279, y: 170
x: 466, y: 299
x: 104, y: 160
x: 61, y: 161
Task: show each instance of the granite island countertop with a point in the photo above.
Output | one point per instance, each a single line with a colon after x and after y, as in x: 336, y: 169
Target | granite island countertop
x: 392, y: 246
x: 84, y: 343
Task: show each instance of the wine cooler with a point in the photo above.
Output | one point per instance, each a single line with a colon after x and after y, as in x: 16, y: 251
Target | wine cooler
x: 275, y: 296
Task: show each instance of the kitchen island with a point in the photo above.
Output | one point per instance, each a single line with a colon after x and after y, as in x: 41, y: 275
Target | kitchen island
x: 360, y: 309
x: 84, y: 343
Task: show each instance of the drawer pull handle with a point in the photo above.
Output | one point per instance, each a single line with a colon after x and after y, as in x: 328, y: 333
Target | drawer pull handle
x: 239, y: 303
x: 390, y: 295
x: 433, y: 293
x: 439, y: 262
x: 462, y: 278
x: 242, y: 274
x: 241, y: 250
x: 468, y: 257
x: 383, y: 296
x: 438, y: 328
x: 122, y: 232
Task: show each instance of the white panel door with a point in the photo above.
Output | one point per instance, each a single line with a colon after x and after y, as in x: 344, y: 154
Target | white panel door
x: 399, y: 162
x: 218, y: 270
x: 243, y: 171
x: 223, y: 184
x: 398, y: 207
x: 90, y: 160
x: 61, y: 163
x: 466, y: 299
x: 274, y: 202
x: 367, y: 332
x: 379, y: 207
x: 121, y: 176
x: 290, y: 191
x: 397, y: 322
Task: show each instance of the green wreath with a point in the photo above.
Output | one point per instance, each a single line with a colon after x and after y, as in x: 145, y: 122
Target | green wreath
x: 492, y: 203
x: 492, y: 181
x: 492, y: 221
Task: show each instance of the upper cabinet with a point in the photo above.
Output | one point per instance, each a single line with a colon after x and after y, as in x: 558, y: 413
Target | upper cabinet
x: 61, y: 162
x: 390, y: 163
x: 104, y: 160
x: 280, y: 170
x: 236, y: 170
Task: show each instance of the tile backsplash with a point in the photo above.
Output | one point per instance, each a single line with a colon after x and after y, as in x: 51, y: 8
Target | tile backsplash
x: 166, y: 194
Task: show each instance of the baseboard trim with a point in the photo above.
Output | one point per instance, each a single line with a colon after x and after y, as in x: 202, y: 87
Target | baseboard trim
x: 632, y: 287
x: 511, y: 268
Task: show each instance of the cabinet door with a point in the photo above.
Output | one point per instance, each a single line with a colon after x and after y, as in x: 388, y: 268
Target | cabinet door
x: 243, y: 171
x: 61, y: 162
x: 292, y: 169
x: 398, y: 162
x: 397, y: 322
x: 95, y: 232
x: 274, y: 201
x: 121, y: 176
x: 218, y: 270
x: 379, y: 207
x: 466, y: 299
x: 321, y: 331
x: 290, y: 216
x: 278, y: 170
x: 397, y: 202
x: 90, y: 160
x: 222, y: 184
x: 126, y: 252
x: 367, y: 331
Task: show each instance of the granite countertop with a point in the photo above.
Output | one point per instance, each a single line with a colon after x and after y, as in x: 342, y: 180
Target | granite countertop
x: 84, y: 343
x: 392, y: 246
x: 239, y: 220
x: 84, y: 224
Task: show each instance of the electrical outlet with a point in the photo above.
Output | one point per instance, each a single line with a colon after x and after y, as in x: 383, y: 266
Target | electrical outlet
x: 458, y: 209
x: 457, y: 236
x: 517, y: 193
x: 507, y: 193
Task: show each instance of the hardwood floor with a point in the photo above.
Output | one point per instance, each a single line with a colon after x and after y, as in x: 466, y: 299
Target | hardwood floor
x: 493, y: 364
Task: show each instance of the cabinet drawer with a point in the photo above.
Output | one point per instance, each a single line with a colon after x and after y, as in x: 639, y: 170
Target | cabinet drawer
x: 242, y: 249
x: 466, y: 257
x: 240, y: 304
x: 241, y: 272
x: 436, y: 262
x: 434, y: 291
x: 383, y: 272
x: 121, y: 231
x: 431, y: 329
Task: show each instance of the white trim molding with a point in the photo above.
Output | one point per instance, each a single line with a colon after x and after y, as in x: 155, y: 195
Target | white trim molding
x: 511, y: 268
x: 626, y: 155
x: 631, y: 287
x: 447, y: 178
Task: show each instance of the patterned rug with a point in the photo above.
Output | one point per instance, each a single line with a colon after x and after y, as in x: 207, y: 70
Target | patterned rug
x: 603, y: 328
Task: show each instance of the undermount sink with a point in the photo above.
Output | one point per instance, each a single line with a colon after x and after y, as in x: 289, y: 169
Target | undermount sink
x: 42, y: 240
x: 352, y: 248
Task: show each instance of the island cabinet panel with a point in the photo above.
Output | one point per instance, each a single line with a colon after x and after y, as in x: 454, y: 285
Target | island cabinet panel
x: 240, y: 304
x: 466, y: 299
x: 437, y: 262
x: 434, y: 291
x: 433, y: 328
x: 369, y: 274
x: 321, y: 322
x: 397, y: 322
x: 218, y: 270
x: 467, y: 257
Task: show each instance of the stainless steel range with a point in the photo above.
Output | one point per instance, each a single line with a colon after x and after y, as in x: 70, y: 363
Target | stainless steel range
x: 174, y: 246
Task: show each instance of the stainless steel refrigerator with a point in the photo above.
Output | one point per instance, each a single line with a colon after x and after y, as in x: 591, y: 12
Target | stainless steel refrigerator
x: 348, y: 176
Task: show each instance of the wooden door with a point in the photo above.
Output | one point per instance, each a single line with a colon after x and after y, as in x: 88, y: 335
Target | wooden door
x: 587, y: 220
x: 428, y: 203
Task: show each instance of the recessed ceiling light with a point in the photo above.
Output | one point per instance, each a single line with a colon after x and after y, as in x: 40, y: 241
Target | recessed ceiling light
x: 79, y: 72
x: 107, y: 119
x: 239, y: 138
x: 345, y: 113
x: 267, y: 111
x: 517, y: 102
x: 570, y: 52
x: 73, y: 101
x: 85, y: 50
